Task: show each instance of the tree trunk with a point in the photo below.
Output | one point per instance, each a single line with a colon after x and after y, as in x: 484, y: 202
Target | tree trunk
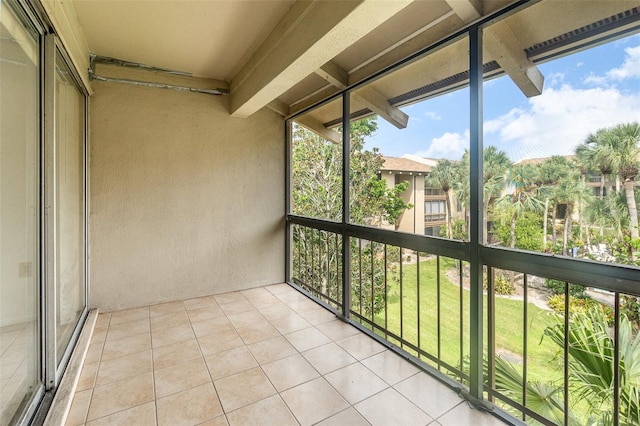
x: 448, y: 200
x: 544, y: 223
x: 485, y: 217
x: 512, y: 232
x: 602, y: 185
x: 633, y: 207
x: 567, y: 229
x: 554, y: 213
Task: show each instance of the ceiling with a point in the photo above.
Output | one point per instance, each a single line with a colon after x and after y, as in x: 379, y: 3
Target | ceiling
x: 289, y: 54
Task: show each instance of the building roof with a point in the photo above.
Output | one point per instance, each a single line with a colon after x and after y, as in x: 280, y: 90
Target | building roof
x: 541, y: 160
x: 395, y: 164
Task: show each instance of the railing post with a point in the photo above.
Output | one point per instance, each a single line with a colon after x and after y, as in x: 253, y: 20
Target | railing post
x: 476, y: 216
x: 287, y: 202
x: 346, y: 243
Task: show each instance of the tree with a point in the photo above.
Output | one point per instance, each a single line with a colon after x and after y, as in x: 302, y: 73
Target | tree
x: 317, y: 192
x: 495, y: 167
x: 616, y: 150
x: 573, y: 192
x: 553, y: 171
x: 443, y: 176
x: 524, y: 185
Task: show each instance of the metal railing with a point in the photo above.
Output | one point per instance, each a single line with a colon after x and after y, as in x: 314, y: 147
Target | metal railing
x: 412, y: 293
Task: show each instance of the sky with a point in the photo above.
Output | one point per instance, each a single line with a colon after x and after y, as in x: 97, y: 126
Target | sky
x: 583, y: 92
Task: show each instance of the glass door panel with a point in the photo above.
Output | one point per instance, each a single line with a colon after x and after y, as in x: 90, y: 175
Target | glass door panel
x: 20, y: 351
x: 69, y: 205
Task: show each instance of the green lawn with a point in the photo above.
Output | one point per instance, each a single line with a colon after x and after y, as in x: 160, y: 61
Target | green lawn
x: 542, y: 364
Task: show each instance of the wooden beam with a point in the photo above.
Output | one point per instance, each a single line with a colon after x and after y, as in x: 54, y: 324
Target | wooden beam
x: 335, y: 75
x: 502, y: 43
x: 310, y: 35
x: 381, y: 106
x: 316, y: 126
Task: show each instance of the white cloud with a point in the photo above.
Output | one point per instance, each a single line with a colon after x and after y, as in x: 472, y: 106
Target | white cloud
x: 559, y: 119
x: 630, y: 67
x: 433, y: 115
x: 449, y: 145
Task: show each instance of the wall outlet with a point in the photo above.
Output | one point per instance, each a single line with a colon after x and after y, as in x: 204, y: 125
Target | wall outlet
x: 25, y: 269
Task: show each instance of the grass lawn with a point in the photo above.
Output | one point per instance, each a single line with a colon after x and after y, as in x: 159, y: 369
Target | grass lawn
x: 542, y: 364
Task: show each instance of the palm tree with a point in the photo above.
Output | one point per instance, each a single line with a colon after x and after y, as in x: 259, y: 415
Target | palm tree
x: 551, y: 173
x: 616, y: 149
x: 524, y: 188
x: 496, y: 163
x: 443, y: 176
x: 573, y: 191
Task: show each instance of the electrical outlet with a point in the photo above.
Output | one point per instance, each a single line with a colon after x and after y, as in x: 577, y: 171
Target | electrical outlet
x: 25, y: 269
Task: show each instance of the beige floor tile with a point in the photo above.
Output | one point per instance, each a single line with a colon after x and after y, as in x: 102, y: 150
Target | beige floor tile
x: 279, y: 288
x: 433, y: 397
x: 127, y: 315
x: 390, y: 408
x: 293, y: 296
x: 228, y: 298
x: 171, y: 335
x: 290, y: 323
x: 237, y: 308
x: 166, y: 356
x: 205, y: 313
x: 180, y: 377
x: 390, y: 367
x: 218, y: 421
x: 166, y: 320
x: 142, y: 415
x: 211, y: 326
x: 126, y: 346
x: 243, y: 388
x: 103, y: 320
x: 336, y: 329
x: 121, y: 395
x: 289, y: 372
x: 360, y: 346
x: 123, y: 367
x: 314, y: 401
x: 127, y: 329
x: 255, y: 293
x: 246, y: 319
x: 94, y: 353
x: 230, y: 362
x: 189, y: 407
x: 306, y: 339
x: 329, y: 357
x: 99, y: 334
x: 219, y: 342
x: 356, y: 382
x: 163, y: 308
x: 198, y: 302
x: 87, y: 378
x: 276, y: 311
x: 271, y: 349
x: 318, y: 316
x: 79, y: 408
x: 301, y: 306
x: 266, y: 301
x: 267, y: 412
x: 348, y: 417
x: 257, y: 332
x: 462, y: 414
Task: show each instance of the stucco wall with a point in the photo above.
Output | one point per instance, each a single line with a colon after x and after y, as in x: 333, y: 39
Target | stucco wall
x: 185, y: 200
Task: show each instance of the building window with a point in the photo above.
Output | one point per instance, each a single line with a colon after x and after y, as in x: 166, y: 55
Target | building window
x: 435, y: 211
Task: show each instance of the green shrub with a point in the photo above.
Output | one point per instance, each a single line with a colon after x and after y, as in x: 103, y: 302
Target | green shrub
x: 557, y: 287
x: 501, y: 285
x: 583, y: 305
x: 630, y: 307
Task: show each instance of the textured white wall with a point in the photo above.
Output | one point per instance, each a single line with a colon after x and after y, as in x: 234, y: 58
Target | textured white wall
x: 185, y: 200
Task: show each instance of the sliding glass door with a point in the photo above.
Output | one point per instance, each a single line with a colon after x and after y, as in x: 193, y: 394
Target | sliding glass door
x: 20, y: 321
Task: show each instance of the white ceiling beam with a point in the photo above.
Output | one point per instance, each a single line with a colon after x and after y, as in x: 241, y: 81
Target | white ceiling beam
x: 381, y: 106
x: 316, y: 126
x: 367, y: 96
x: 279, y: 107
x: 503, y: 44
x: 310, y: 35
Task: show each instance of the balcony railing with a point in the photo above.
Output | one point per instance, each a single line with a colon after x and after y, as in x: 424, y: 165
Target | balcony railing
x: 413, y: 293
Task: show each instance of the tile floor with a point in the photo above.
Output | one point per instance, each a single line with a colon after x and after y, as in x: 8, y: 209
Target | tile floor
x: 266, y: 356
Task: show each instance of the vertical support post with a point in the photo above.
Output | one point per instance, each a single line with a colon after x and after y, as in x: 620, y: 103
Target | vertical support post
x: 476, y: 214
x: 346, y: 184
x: 287, y: 201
